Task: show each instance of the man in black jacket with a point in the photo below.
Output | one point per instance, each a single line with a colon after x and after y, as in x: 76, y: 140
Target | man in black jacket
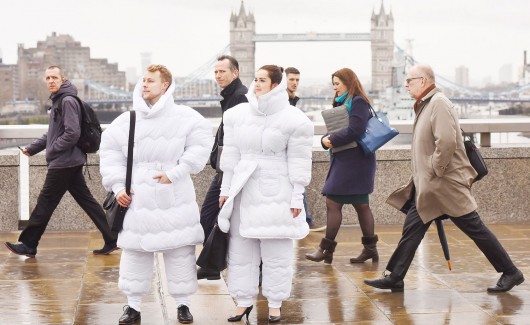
x: 65, y: 163
x: 293, y: 79
x: 233, y: 93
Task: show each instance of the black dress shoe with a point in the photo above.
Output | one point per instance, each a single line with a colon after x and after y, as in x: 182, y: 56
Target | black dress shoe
x: 183, y: 315
x: 208, y: 274
x: 107, y: 249
x: 387, y: 282
x: 507, y: 282
x: 130, y: 316
x: 21, y: 249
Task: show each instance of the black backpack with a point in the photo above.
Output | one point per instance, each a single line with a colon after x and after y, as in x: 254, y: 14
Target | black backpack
x: 90, y: 137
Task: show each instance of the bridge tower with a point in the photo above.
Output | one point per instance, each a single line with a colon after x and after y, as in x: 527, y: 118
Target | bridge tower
x: 242, y: 45
x: 243, y: 40
x: 382, y: 41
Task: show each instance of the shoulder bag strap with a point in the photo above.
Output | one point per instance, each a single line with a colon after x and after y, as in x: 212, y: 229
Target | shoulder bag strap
x: 374, y: 114
x: 132, y: 126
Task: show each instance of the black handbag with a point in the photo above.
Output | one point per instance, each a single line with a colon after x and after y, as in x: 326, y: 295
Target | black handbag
x: 114, y: 212
x: 475, y: 157
x: 213, y: 254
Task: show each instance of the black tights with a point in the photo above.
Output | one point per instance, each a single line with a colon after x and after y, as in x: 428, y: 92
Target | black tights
x: 334, y: 215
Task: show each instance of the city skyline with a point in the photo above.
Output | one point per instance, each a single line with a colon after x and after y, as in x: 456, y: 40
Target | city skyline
x: 480, y: 35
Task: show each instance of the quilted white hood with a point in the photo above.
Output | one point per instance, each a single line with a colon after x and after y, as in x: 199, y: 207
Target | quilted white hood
x: 139, y: 103
x: 272, y: 102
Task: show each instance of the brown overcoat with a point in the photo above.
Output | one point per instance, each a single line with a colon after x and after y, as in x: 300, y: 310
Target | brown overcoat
x: 441, y: 172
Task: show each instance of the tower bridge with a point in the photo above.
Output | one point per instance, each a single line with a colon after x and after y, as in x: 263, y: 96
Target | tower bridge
x: 243, y: 39
x: 385, y: 53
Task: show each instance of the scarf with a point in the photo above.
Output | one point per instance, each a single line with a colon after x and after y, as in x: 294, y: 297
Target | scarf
x: 423, y: 94
x: 341, y: 99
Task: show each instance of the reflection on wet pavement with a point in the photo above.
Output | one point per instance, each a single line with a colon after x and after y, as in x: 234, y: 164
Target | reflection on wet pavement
x: 66, y: 284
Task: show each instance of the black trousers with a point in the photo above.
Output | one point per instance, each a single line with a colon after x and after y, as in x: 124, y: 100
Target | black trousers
x: 57, y: 182
x: 414, y: 230
x: 210, y: 206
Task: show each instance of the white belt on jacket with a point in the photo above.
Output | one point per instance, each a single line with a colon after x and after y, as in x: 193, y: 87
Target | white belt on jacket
x: 156, y: 166
x: 254, y: 156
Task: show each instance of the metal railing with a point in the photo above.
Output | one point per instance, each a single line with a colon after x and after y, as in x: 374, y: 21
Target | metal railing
x: 484, y: 127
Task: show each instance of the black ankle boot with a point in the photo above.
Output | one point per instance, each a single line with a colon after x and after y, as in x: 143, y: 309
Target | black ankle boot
x: 130, y: 316
x: 369, y: 250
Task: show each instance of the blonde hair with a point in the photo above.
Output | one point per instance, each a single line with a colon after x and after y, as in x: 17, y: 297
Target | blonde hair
x: 165, y: 74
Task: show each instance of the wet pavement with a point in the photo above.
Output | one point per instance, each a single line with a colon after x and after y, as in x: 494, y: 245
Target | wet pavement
x: 66, y: 284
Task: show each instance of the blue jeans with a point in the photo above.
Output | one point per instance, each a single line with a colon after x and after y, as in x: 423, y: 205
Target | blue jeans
x: 308, y: 216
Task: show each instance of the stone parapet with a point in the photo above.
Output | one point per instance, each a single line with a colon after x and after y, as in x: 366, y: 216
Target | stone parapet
x: 502, y: 195
x: 9, y: 207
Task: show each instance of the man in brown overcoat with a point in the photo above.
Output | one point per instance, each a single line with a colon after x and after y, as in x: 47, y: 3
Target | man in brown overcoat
x: 440, y: 186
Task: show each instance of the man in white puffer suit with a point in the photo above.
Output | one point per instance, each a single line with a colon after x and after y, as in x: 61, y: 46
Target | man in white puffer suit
x: 266, y: 162
x: 170, y: 143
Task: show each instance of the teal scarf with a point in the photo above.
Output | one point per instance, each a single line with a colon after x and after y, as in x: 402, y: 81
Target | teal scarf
x: 340, y: 99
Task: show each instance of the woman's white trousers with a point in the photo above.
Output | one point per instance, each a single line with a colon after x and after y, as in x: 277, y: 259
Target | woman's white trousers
x: 244, y: 257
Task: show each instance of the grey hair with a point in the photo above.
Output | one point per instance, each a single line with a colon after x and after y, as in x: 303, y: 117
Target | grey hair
x: 426, y: 71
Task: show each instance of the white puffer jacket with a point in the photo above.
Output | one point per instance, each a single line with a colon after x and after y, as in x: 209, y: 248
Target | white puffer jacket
x: 169, y: 138
x: 266, y: 159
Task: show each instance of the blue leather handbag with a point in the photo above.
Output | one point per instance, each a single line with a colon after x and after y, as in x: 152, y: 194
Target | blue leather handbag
x: 378, y: 132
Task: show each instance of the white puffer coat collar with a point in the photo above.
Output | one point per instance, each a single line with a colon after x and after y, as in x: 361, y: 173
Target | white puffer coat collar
x: 140, y: 105
x: 272, y: 102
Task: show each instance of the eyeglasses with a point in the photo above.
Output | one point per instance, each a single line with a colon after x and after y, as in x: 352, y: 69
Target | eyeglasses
x: 407, y: 81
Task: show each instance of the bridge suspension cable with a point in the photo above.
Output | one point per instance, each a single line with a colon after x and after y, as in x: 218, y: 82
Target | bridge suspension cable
x: 203, y: 70
x: 445, y: 82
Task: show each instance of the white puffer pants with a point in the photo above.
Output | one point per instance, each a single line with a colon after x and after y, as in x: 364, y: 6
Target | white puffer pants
x: 244, y: 257
x: 136, y: 273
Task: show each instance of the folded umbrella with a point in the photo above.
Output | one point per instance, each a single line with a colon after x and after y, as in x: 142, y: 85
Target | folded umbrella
x: 443, y: 241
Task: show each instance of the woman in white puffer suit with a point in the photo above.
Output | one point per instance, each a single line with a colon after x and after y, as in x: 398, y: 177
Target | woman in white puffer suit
x: 170, y: 143
x: 266, y: 161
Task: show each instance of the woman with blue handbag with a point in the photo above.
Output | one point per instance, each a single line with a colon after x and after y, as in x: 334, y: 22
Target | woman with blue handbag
x: 351, y: 173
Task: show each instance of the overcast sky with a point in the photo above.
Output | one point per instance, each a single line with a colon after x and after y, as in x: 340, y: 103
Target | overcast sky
x: 182, y: 34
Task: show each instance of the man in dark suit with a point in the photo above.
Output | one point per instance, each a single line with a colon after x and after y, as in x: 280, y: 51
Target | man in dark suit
x: 233, y: 93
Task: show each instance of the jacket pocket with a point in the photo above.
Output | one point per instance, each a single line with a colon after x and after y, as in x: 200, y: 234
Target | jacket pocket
x: 269, y: 184
x: 164, y: 196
